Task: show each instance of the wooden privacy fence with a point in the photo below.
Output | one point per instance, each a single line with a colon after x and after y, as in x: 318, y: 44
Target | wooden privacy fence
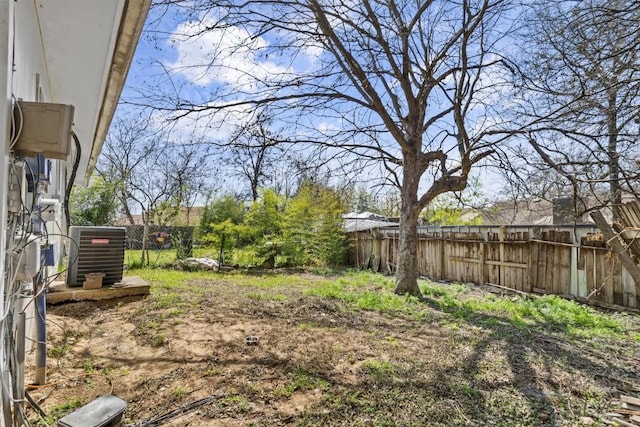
x: 570, y: 261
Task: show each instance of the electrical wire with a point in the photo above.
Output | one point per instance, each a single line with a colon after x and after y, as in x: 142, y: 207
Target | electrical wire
x: 24, y: 228
x: 15, y: 136
x: 72, y: 178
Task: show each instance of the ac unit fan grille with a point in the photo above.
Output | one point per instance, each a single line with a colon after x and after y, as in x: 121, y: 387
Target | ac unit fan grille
x: 99, y: 250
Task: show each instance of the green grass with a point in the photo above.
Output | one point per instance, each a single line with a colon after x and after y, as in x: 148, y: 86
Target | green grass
x: 547, y: 312
x: 266, y: 296
x: 162, y: 257
x: 363, y: 290
x: 168, y: 257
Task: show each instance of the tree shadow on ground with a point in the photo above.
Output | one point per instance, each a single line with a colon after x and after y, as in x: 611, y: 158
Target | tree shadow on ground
x: 532, y: 357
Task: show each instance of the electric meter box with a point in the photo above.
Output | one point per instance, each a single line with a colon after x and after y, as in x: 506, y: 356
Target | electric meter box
x: 44, y: 128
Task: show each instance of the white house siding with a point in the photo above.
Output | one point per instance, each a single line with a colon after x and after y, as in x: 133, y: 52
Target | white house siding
x: 6, y: 52
x: 23, y: 77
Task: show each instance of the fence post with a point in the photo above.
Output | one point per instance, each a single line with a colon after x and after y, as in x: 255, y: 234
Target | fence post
x: 443, y: 262
x: 481, y: 263
x: 502, y: 273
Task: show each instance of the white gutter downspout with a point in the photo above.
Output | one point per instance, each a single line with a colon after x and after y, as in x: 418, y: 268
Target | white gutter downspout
x: 6, y: 79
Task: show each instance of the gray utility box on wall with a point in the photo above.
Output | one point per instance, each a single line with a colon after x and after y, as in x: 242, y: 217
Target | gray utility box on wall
x: 44, y: 128
x: 96, y: 250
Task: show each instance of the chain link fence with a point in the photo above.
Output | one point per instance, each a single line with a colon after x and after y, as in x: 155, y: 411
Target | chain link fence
x: 179, y: 238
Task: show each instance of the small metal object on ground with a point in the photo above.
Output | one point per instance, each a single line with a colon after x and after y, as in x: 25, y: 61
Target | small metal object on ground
x: 105, y: 411
x: 251, y: 340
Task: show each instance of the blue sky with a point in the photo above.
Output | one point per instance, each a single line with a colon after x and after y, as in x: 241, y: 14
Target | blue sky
x: 170, y: 60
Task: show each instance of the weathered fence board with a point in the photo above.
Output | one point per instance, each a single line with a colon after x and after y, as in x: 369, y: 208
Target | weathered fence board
x: 561, y: 260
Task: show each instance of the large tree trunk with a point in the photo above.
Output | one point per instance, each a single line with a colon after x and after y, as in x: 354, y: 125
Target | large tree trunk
x: 407, y: 258
x: 407, y: 262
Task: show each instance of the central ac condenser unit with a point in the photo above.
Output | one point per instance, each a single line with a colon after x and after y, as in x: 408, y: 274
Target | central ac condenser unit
x: 96, y: 250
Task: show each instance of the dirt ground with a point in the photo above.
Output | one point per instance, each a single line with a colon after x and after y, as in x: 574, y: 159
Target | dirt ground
x: 318, y: 361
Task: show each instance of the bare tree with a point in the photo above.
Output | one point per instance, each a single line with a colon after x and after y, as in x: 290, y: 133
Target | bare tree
x: 152, y: 174
x: 121, y: 156
x: 254, y: 149
x: 396, y: 83
x: 580, y: 92
x: 188, y: 167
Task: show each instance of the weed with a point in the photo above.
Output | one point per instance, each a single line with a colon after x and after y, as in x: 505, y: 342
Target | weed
x: 379, y: 370
x: 167, y: 300
x: 214, y: 372
x: 152, y: 324
x: 468, y: 390
x: 381, y: 301
x: 178, y: 393
x: 237, y: 402
x: 546, y: 313
x: 301, y: 380
x: 174, y: 312
x: 159, y: 340
x: 392, y: 341
x: 60, y: 411
x: 89, y: 366
x: 58, y: 350
x: 323, y: 271
x: 305, y: 326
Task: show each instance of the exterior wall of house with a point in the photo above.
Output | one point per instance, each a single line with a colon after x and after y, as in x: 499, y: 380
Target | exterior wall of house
x: 6, y: 52
x: 23, y: 76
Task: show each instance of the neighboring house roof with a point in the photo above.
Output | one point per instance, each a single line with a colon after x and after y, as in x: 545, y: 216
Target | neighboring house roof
x: 362, y: 221
x: 194, y: 217
x: 365, y: 215
x: 88, y: 47
x: 353, y: 225
x: 530, y: 212
x: 123, y: 220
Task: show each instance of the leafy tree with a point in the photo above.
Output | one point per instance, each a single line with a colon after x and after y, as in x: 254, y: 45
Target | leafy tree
x: 265, y: 216
x: 95, y: 204
x: 361, y: 199
x: 312, y: 227
x: 222, y: 224
x: 449, y: 209
x: 329, y: 243
x: 297, y: 226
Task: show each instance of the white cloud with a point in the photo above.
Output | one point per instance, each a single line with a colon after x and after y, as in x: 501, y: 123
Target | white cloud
x: 225, y: 55
x: 207, y: 126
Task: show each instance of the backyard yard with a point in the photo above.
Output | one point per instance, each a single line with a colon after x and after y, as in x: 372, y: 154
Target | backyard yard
x: 322, y: 348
